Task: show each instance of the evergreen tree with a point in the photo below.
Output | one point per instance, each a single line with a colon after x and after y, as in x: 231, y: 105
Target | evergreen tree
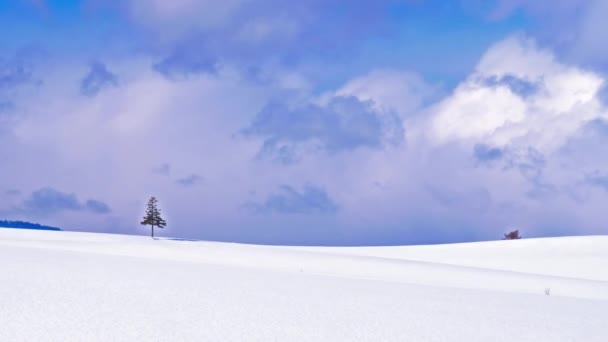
x: 153, y: 217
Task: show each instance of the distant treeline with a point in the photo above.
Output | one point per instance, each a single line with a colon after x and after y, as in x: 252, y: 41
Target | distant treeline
x: 25, y: 225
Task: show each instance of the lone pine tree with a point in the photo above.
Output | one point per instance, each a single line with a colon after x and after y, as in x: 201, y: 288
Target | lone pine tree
x: 153, y: 217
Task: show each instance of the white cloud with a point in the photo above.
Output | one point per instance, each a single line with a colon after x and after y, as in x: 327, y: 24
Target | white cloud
x: 519, y: 95
x: 258, y: 30
x: 487, y: 107
x: 518, y: 56
x: 576, y: 28
x: 106, y: 146
x: 179, y: 15
x: 390, y: 90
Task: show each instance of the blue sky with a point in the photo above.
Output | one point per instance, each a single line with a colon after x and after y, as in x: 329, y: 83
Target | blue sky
x: 316, y: 122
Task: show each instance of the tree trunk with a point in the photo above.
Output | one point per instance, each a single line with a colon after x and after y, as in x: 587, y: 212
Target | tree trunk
x: 152, y: 231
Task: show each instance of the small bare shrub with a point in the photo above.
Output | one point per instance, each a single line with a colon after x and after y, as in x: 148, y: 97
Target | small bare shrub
x: 514, y: 235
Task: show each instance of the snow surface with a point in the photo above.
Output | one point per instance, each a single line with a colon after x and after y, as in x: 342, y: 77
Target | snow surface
x: 67, y: 286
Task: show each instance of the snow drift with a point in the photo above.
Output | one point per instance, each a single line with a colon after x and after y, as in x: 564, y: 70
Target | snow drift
x: 59, y: 286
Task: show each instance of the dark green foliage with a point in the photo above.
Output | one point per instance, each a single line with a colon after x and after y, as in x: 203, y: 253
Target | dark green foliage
x: 153, y: 217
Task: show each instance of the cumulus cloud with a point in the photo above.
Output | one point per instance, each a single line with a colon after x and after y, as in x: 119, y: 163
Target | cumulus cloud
x: 516, y: 143
x: 575, y: 28
x: 521, y: 87
x: 474, y: 199
x: 542, y: 104
x: 485, y: 153
x: 390, y: 90
x: 163, y: 169
x: 12, y: 192
x: 597, y: 179
x: 97, y: 207
x: 16, y: 72
x: 185, y: 60
x: 180, y: 16
x: 49, y: 201
x: 190, y: 180
x: 287, y: 200
x: 194, y: 37
x: 13, y: 73
x: 344, y: 124
x: 98, y: 78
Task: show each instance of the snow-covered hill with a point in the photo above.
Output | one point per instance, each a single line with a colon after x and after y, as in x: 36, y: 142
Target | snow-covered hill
x: 65, y: 286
